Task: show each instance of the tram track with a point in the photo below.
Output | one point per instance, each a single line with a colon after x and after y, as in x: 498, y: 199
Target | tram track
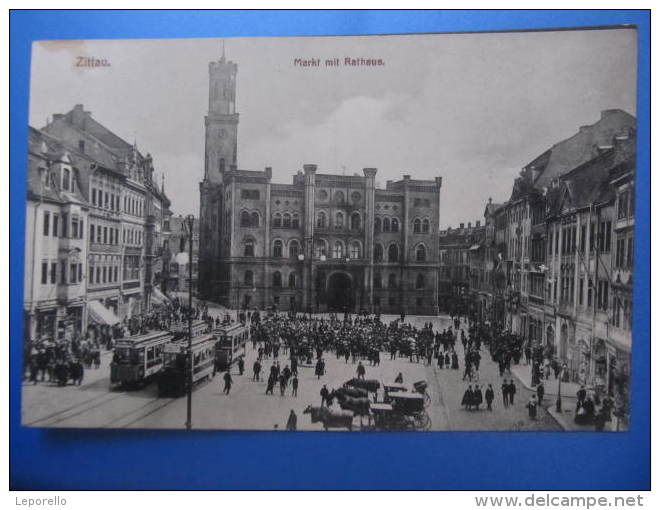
x: 117, y: 422
x: 97, y: 401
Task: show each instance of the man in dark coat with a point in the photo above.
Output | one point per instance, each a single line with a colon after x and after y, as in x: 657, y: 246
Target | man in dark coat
x: 581, y: 395
x: 256, y: 368
x: 490, y: 396
x: 294, y: 366
x: 361, y: 371
x: 241, y: 366
x: 505, y: 393
x: 468, y: 397
x: 271, y: 384
x: 294, y: 385
x: 228, y: 381
x: 292, y: 422
x: 454, y: 360
x: 540, y: 391
x: 512, y: 391
x: 324, y: 395
x: 477, y: 396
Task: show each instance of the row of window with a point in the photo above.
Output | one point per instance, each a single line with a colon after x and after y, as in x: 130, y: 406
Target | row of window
x: 294, y: 281
x: 133, y: 205
x: 601, y: 239
x: 133, y: 236
x: 103, y: 274
x: 51, y: 270
x: 104, y: 234
x: 72, y: 228
x: 105, y: 200
x: 355, y: 222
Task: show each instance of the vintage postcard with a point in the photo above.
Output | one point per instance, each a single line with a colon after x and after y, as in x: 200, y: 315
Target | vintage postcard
x: 385, y: 233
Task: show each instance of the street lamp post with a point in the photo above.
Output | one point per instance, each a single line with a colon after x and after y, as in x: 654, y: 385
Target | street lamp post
x: 188, y: 226
x: 558, y: 404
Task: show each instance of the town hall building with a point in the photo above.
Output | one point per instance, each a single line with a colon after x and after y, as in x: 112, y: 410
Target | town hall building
x: 324, y: 242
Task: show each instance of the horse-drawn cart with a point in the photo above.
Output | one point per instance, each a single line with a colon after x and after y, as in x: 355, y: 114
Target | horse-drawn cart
x: 404, y: 411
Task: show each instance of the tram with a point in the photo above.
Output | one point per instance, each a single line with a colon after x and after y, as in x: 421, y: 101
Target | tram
x: 173, y: 379
x: 230, y: 345
x: 136, y: 359
x: 180, y: 329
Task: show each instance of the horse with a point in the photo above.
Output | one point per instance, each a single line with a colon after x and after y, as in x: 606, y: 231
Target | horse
x: 359, y: 406
x: 350, y: 392
x: 334, y: 419
x: 371, y: 385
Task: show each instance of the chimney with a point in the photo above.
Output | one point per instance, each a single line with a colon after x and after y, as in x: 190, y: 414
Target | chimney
x: 269, y: 172
x: 462, y: 225
x: 478, y: 223
x: 469, y: 224
x: 78, y: 117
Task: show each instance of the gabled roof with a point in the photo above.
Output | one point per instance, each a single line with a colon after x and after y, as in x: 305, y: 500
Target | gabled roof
x: 568, y: 154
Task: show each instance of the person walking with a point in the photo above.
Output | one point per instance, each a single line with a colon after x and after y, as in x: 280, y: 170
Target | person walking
x: 292, y: 422
x: 294, y: 385
x: 282, y: 384
x: 477, y: 396
x: 324, y: 395
x: 270, y: 385
x: 256, y: 369
x: 228, y: 381
x: 532, y: 407
x: 505, y: 393
x: 512, y: 391
x: 490, y: 396
x: 540, y: 391
x: 241, y: 366
x: 467, y: 398
x: 361, y: 371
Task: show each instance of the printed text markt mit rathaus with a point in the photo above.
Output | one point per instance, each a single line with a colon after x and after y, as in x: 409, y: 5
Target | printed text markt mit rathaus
x: 336, y: 62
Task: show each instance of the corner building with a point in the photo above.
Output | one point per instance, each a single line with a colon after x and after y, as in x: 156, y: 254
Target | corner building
x: 324, y: 242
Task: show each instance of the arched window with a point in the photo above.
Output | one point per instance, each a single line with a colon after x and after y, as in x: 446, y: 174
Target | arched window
x: 321, y: 248
x: 286, y: 223
x: 419, y: 283
x: 339, y: 220
x: 391, y: 281
x: 294, y: 249
x: 426, y: 226
x: 277, y: 279
x: 321, y: 220
x: 355, y: 221
x: 420, y: 253
x: 377, y: 280
x: 355, y: 250
x: 277, y: 220
x: 378, y: 252
x: 277, y: 249
x: 292, y: 280
x: 377, y: 225
x: 417, y: 226
x: 395, y: 225
x: 295, y: 222
x: 386, y: 224
x: 248, y: 249
x: 393, y: 253
x: 339, y: 197
x: 245, y: 219
x: 254, y: 219
x: 248, y: 278
x: 338, y: 250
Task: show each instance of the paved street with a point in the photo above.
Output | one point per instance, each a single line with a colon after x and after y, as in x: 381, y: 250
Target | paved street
x: 93, y: 404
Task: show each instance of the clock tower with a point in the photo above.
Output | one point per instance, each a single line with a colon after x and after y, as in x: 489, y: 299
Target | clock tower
x: 221, y: 121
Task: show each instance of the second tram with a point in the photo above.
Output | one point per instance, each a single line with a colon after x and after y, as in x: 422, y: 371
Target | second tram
x: 136, y: 359
x: 173, y: 380
x: 230, y: 345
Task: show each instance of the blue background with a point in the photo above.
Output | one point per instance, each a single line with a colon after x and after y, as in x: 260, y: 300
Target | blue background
x: 99, y: 459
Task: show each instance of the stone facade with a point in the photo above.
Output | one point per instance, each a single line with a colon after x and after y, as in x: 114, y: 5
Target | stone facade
x: 323, y: 242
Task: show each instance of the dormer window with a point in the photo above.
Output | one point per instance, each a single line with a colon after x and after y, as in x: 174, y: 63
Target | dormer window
x: 66, y: 178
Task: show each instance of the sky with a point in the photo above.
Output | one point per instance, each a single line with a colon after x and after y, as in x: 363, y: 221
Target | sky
x: 471, y: 108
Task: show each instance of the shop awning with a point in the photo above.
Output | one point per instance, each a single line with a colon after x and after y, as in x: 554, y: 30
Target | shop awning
x: 100, y: 314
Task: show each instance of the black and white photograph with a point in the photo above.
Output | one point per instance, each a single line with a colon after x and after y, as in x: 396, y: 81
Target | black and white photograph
x: 428, y: 232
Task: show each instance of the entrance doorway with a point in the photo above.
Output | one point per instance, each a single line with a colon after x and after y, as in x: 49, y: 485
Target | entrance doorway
x: 340, y: 293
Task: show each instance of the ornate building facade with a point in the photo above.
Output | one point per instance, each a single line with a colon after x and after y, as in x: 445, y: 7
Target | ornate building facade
x: 323, y: 242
